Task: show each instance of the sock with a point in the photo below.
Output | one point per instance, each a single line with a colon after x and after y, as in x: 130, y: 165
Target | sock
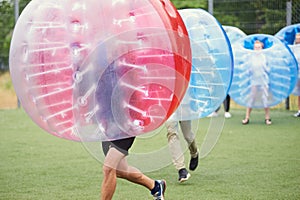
x: 156, y: 188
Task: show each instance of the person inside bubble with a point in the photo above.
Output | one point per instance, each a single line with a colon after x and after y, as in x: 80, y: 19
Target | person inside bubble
x: 116, y: 150
x: 297, y: 88
x: 116, y: 166
x: 175, y: 148
x: 259, y: 79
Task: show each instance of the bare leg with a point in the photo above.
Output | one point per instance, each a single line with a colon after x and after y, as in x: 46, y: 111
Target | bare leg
x: 248, y: 112
x: 267, y: 113
x: 115, y: 165
x: 297, y: 114
x: 109, y: 182
x: 247, y: 117
x: 267, y: 116
x: 134, y: 175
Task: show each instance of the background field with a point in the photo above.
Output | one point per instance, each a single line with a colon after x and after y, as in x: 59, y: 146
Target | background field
x: 249, y: 162
x: 8, y: 98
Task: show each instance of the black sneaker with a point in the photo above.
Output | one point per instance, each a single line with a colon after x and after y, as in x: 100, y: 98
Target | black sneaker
x: 194, y: 163
x: 184, y: 175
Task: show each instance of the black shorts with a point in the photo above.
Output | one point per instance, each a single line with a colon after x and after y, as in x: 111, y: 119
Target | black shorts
x: 122, y: 145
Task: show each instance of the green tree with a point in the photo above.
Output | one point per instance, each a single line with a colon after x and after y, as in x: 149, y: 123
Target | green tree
x: 252, y: 16
x: 180, y: 4
x: 7, y: 22
x: 6, y: 26
x: 235, y: 13
x: 295, y: 11
x: 23, y: 4
x: 270, y: 15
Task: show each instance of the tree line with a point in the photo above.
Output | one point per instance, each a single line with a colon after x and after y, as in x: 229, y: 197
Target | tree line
x: 251, y: 16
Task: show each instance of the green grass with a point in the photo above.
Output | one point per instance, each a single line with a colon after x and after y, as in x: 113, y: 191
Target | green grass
x: 249, y: 162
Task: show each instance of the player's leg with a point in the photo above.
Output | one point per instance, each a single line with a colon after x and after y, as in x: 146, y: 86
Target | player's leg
x: 132, y: 174
x: 189, y: 136
x: 109, y: 182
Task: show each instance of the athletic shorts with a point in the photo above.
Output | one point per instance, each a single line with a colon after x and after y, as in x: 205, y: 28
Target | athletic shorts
x: 122, y: 145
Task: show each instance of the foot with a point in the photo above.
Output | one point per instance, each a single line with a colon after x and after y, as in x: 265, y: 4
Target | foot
x: 194, y: 163
x: 159, y: 195
x: 184, y: 175
x: 245, y: 121
x: 227, y: 115
x: 268, y: 121
x: 297, y: 114
x: 214, y: 114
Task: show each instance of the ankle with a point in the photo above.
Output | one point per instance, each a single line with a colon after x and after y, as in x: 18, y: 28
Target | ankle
x: 155, y: 188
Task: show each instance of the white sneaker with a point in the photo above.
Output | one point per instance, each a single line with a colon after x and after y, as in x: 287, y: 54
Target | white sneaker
x: 297, y: 114
x: 213, y: 114
x: 227, y: 115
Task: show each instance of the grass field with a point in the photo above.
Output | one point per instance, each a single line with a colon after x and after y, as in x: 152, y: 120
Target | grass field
x: 249, y: 162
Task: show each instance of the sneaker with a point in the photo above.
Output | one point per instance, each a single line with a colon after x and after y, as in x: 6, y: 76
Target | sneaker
x: 194, y: 163
x: 159, y: 195
x: 227, y: 115
x: 297, y: 114
x: 184, y: 175
x: 213, y: 114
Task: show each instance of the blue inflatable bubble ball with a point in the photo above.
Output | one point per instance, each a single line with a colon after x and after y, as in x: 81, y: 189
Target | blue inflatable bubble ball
x: 265, y: 71
x: 212, y: 65
x: 234, y: 33
x: 290, y: 35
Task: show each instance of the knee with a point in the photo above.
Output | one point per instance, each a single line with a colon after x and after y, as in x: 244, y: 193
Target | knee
x: 190, y: 138
x: 172, y: 136
x: 121, y: 174
x: 107, y: 171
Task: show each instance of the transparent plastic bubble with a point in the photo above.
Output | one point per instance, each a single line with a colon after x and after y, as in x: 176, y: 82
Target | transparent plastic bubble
x: 288, y: 36
x: 132, y: 95
x: 133, y: 82
x: 54, y: 41
x: 212, y: 65
x: 233, y: 33
x: 265, y: 77
x: 41, y: 65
